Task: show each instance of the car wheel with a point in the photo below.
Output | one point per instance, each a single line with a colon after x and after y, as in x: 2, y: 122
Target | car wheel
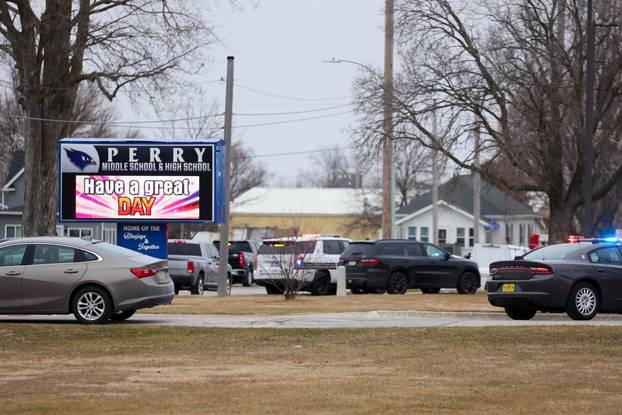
x: 199, y: 287
x: 583, y: 302
x: 516, y: 313
x: 122, y: 315
x: 321, y: 285
x: 271, y: 289
x: 430, y: 290
x: 467, y: 283
x: 92, y: 305
x: 397, y: 284
x: 176, y: 289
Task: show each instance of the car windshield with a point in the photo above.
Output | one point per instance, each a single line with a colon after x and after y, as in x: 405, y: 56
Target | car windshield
x: 359, y: 249
x: 551, y: 252
x: 287, y: 247
x: 178, y: 248
x: 237, y: 246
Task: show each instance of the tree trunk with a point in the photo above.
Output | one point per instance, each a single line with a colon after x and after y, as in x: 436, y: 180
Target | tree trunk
x: 560, y: 219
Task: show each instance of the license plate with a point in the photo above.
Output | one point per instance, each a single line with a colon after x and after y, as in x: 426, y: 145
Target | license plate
x: 352, y: 263
x: 508, y: 288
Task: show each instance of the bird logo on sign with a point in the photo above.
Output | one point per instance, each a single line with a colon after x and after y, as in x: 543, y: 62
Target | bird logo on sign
x: 79, y: 158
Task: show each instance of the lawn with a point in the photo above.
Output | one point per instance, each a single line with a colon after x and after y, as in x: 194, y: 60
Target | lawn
x: 71, y: 369
x: 275, y: 304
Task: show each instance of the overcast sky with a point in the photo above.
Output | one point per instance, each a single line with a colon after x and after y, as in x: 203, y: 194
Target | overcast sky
x: 279, y: 49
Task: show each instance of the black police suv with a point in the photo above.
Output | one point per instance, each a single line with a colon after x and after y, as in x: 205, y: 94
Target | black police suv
x: 581, y: 279
x: 395, y: 266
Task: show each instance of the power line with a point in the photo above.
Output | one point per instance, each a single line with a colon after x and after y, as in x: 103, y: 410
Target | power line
x: 270, y: 94
x: 293, y: 153
x: 294, y: 120
x: 291, y: 112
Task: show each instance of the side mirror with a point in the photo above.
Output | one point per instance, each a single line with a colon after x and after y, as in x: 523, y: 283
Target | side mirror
x: 517, y: 257
x: 447, y: 256
x: 468, y: 256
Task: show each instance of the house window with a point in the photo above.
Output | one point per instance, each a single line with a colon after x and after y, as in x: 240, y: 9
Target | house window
x: 460, y: 236
x: 521, y: 234
x: 471, y: 237
x: 110, y: 236
x: 13, y: 231
x: 425, y: 234
x: 412, y: 233
x: 442, y: 236
x: 79, y: 232
x: 509, y: 233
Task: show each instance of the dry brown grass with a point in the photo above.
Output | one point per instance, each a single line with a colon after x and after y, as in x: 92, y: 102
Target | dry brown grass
x: 49, y: 369
x: 275, y: 304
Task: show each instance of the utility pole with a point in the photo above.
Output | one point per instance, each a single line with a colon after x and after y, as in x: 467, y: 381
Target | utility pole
x: 589, y: 122
x: 434, y: 238
x: 224, y: 228
x: 388, y: 200
x: 477, y: 184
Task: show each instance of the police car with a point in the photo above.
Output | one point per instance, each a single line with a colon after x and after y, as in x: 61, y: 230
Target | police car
x: 302, y: 263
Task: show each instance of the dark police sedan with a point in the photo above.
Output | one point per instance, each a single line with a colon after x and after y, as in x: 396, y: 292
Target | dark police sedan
x: 395, y: 266
x: 581, y: 279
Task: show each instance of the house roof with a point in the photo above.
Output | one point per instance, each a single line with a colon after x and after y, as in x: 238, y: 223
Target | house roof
x: 305, y: 201
x: 17, y: 165
x: 459, y: 192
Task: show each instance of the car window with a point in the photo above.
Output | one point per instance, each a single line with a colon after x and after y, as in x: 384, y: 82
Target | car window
x: 53, y: 254
x: 606, y: 256
x: 560, y: 251
x: 287, y: 247
x: 344, y: 244
x: 84, y: 256
x: 183, y: 248
x: 392, y: 249
x: 359, y: 249
x: 434, y: 251
x: 12, y: 255
x: 414, y: 250
x: 331, y: 247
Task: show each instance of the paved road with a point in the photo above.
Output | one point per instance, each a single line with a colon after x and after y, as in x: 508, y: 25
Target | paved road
x: 373, y: 319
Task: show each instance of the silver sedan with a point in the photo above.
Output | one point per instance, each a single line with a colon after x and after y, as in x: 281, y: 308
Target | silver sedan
x: 94, y: 280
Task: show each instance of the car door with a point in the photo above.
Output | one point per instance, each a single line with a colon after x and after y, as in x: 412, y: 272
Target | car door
x: 212, y: 261
x: 12, y: 259
x: 50, y: 277
x: 607, y: 270
x: 439, y: 269
x: 416, y: 260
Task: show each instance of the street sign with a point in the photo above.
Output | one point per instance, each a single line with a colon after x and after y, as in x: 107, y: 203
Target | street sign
x: 148, y: 239
x: 130, y: 181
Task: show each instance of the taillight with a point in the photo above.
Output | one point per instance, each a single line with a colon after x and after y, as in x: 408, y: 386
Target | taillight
x: 144, y: 272
x: 256, y: 259
x: 241, y: 258
x: 541, y: 270
x: 369, y: 262
x: 341, y: 262
x: 298, y: 261
x: 190, y: 267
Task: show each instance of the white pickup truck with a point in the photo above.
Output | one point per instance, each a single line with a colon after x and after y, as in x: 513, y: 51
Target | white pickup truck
x: 194, y: 265
x: 485, y: 254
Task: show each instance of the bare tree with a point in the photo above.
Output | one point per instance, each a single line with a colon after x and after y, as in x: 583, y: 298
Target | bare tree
x: 332, y: 167
x: 517, y: 69
x: 58, y: 44
x: 246, y: 171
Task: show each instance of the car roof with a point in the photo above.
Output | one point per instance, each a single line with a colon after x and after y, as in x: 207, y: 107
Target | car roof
x: 307, y: 238
x: 52, y: 239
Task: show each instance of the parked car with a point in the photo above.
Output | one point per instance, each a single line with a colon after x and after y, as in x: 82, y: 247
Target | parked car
x: 316, y: 257
x: 581, y: 279
x: 94, y: 280
x: 395, y: 266
x: 194, y: 266
x: 242, y: 259
x: 486, y: 254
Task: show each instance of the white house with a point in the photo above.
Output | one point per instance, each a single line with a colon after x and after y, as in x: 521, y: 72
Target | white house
x: 503, y: 220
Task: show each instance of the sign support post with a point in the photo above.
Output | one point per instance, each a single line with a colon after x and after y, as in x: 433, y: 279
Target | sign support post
x: 224, y: 227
